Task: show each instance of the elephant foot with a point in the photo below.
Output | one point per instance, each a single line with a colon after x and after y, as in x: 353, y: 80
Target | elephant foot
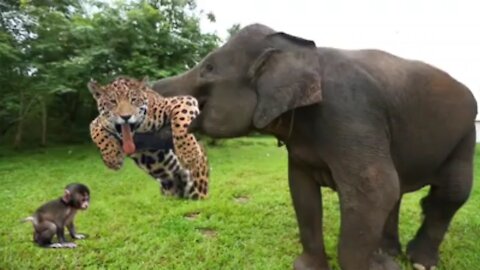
x: 391, y: 247
x: 383, y: 262
x: 310, y: 262
x: 422, y: 255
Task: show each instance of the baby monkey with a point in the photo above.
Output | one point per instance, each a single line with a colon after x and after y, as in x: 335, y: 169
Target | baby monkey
x: 52, y: 217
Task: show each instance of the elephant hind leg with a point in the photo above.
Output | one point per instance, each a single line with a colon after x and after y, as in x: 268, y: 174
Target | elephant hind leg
x: 451, y: 190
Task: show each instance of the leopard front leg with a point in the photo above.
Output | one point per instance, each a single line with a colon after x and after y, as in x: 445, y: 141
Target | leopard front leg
x: 182, y: 110
x: 109, y: 146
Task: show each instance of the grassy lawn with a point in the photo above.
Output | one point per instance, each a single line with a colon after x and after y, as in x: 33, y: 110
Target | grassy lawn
x: 246, y: 223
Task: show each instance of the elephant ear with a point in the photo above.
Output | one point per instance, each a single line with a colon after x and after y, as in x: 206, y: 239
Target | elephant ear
x: 286, y: 76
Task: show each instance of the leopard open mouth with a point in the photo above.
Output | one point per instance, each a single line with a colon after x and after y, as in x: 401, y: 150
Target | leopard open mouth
x: 118, y: 128
x: 126, y: 136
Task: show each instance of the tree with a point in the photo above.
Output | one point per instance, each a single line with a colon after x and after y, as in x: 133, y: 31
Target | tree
x: 233, y: 30
x: 50, y: 49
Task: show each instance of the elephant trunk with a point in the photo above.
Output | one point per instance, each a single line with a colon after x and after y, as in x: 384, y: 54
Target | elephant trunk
x: 173, y: 86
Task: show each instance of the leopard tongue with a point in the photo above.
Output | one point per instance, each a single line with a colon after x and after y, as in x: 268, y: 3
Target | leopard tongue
x: 128, y: 145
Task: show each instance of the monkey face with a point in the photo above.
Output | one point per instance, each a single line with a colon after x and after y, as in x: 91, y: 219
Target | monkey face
x: 77, y: 196
x: 84, y: 202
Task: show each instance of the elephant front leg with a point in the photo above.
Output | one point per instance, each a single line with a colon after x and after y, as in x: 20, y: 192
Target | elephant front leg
x: 390, y: 239
x: 368, y: 194
x: 307, y: 201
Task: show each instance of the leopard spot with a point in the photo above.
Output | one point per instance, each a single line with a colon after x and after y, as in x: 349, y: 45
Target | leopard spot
x: 136, y: 160
x: 159, y: 171
x: 172, y: 166
x: 163, y: 175
x: 161, y: 156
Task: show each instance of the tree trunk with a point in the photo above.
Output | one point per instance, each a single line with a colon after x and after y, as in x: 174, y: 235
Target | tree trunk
x: 44, y: 122
x: 7, y: 127
x: 22, y: 115
x: 19, y: 133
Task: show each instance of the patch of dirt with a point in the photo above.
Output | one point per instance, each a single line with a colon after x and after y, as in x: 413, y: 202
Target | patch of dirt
x: 207, y: 232
x: 241, y: 199
x: 192, y: 215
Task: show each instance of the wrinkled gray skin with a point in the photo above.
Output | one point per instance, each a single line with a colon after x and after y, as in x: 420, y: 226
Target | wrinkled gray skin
x: 366, y: 123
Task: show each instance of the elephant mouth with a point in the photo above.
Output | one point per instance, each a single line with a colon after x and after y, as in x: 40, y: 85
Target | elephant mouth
x: 201, y: 103
x: 194, y: 125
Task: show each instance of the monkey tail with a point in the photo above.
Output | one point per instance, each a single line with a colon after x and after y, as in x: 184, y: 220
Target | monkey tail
x: 31, y: 219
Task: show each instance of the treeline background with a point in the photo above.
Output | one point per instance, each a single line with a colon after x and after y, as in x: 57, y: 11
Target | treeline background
x: 49, y: 50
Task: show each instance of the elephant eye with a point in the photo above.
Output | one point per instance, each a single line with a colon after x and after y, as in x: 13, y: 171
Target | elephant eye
x: 209, y: 67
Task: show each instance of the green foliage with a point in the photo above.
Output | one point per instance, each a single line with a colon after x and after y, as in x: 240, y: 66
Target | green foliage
x: 233, y: 30
x: 246, y: 223
x: 50, y: 49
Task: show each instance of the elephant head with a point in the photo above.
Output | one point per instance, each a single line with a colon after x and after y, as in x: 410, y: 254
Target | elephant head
x: 250, y: 81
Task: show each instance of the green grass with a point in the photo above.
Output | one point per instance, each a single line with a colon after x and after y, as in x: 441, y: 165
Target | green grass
x: 246, y: 223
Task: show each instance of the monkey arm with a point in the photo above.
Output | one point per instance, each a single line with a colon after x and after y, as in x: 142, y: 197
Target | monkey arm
x: 73, y: 233
x: 110, y: 148
x: 71, y: 229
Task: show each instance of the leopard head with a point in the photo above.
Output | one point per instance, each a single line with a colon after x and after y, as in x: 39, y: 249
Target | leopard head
x: 121, y: 104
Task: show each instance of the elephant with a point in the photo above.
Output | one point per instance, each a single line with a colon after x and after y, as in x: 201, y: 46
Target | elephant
x: 366, y: 123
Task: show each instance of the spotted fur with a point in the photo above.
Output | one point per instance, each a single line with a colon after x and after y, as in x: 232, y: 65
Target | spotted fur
x: 148, y: 111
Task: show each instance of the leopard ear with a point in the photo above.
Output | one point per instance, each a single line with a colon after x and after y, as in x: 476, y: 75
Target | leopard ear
x: 144, y: 81
x: 95, y: 89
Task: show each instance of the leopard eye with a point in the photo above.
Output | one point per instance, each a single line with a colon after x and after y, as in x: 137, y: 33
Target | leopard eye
x: 134, y: 99
x: 113, y: 101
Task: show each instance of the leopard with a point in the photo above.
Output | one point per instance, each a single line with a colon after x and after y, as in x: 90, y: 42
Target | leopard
x: 128, y: 106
